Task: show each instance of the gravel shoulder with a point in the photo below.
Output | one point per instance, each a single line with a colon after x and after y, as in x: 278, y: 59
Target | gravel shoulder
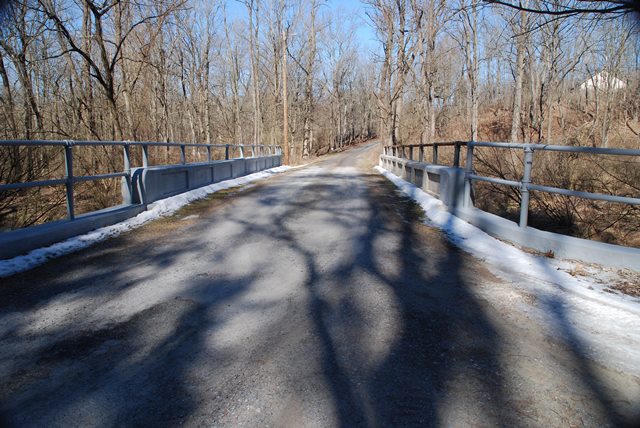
x: 314, y: 298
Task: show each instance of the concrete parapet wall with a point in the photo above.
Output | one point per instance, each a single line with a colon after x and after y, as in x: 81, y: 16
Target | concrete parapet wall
x: 562, y: 246
x: 148, y: 185
x: 155, y: 183
x: 16, y: 242
x: 447, y: 184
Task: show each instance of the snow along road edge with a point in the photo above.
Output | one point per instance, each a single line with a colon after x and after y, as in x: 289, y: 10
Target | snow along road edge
x: 161, y: 208
x: 505, y: 260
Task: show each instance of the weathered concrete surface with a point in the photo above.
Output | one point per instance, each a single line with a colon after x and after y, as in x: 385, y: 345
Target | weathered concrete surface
x: 315, y: 299
x: 448, y: 185
x: 159, y: 182
x: 150, y: 185
x: 21, y: 241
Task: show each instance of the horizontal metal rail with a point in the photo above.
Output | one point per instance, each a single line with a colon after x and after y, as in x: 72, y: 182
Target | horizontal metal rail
x: 70, y: 179
x: 524, y: 184
x: 401, y: 151
x: 115, y: 143
x: 560, y: 191
x: 494, y: 180
x: 29, y: 184
x: 84, y: 178
x: 586, y: 195
x: 555, y: 148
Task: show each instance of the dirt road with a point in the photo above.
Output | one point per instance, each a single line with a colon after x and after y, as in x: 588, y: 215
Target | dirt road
x: 315, y: 298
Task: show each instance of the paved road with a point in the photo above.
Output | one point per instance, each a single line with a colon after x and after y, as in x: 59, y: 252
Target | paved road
x: 316, y: 298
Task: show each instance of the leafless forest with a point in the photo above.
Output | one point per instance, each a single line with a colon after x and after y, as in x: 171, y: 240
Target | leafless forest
x: 294, y: 73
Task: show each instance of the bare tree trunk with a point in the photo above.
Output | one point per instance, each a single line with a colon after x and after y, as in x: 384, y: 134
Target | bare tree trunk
x: 7, y: 100
x: 308, y: 113
x: 474, y: 81
x: 121, y: 10
x: 87, y: 81
x: 253, y: 36
x: 471, y: 58
x: 517, y: 93
x: 285, y: 104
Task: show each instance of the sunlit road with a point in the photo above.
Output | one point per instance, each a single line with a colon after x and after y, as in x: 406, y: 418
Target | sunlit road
x: 315, y: 298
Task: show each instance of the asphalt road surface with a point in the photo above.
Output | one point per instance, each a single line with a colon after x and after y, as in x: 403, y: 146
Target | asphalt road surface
x: 315, y: 298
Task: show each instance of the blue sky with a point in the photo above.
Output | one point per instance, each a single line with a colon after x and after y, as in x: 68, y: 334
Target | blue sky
x: 353, y: 9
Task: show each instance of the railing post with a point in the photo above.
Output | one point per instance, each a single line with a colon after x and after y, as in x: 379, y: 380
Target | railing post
x: 456, y: 156
x: 127, y: 198
x: 208, y: 153
x: 410, y: 152
x: 524, y: 186
x: 145, y: 156
x: 467, y: 175
x: 183, y: 154
x: 421, y: 154
x: 435, y: 154
x: 68, y: 167
x: 241, y: 151
x: 253, y: 151
x: 226, y: 152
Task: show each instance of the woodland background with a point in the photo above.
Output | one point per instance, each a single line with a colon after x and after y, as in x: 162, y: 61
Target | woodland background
x: 188, y: 71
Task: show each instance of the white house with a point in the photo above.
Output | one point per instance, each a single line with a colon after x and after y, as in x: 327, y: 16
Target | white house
x: 602, y: 81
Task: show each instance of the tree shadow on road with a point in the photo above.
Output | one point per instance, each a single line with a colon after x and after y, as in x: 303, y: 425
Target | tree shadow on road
x: 444, y: 339
x: 384, y: 321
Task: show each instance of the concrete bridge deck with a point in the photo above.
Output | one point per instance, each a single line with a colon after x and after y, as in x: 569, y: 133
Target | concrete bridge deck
x: 315, y: 298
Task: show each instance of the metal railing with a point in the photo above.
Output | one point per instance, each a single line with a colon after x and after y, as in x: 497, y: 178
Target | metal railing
x: 524, y: 185
x: 70, y: 179
x: 407, y: 152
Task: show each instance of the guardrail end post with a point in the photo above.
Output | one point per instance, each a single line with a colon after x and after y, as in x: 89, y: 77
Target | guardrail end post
x: 524, y: 186
x: 145, y: 156
x: 468, y: 171
x: 127, y: 191
x: 68, y: 166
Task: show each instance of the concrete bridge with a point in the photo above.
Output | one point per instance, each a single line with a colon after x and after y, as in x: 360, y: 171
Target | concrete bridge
x: 318, y: 297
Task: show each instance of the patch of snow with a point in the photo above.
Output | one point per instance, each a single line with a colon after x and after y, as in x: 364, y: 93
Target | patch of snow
x: 506, y: 256
x: 190, y: 217
x: 574, y: 307
x: 161, y: 208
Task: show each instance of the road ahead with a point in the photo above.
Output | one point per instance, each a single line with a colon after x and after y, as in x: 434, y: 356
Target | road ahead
x: 315, y: 298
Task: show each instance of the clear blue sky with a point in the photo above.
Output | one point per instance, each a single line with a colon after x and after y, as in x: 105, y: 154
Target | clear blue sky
x: 354, y: 9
